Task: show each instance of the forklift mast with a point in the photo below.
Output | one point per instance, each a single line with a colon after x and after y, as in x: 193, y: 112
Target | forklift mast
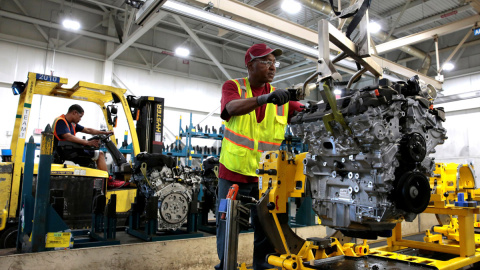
x: 148, y: 112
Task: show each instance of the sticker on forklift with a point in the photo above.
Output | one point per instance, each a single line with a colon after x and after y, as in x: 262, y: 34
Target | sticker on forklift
x: 48, y: 78
x: 80, y: 172
x: 79, y: 97
x: 58, y: 240
x: 158, y: 137
x: 61, y: 172
x: 260, y: 185
x: 23, y: 126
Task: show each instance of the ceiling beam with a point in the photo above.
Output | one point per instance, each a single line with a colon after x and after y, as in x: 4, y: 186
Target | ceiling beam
x: 273, y: 22
x: 105, y: 5
x: 107, y: 38
x: 293, y: 71
x: 202, y: 46
x: 467, y: 44
x: 80, y: 7
x: 432, y: 19
x: 267, y: 4
x: 251, y: 14
x: 306, y: 71
x: 399, y: 9
x: 428, y: 34
x: 44, y: 35
x: 152, y: 21
x: 98, y: 57
x: 392, y: 27
x: 476, y: 5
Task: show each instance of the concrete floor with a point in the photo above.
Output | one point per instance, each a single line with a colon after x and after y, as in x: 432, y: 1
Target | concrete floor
x: 195, y: 254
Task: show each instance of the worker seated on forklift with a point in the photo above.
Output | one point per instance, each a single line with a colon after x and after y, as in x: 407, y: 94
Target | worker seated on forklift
x: 71, y: 148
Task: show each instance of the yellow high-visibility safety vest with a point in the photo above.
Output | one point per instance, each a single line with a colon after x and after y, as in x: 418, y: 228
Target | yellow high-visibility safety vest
x: 245, y: 140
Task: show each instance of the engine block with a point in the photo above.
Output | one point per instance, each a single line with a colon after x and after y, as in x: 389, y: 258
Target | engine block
x: 175, y: 187
x: 371, y: 173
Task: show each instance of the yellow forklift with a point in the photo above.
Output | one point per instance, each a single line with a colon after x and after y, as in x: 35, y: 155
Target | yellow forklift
x: 79, y: 184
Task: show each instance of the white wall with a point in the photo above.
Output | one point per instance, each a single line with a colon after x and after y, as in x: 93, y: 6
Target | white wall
x: 462, y: 125
x: 181, y: 94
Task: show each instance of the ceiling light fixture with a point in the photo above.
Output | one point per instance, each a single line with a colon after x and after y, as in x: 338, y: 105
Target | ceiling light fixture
x: 337, y: 92
x: 68, y: 21
x: 291, y: 6
x: 448, y: 66
x: 374, y: 27
x: 182, y: 52
x: 229, y: 24
x: 71, y: 24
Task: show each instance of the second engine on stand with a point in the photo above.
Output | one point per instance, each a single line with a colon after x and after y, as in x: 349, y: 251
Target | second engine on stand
x: 372, y: 172
x: 157, y: 175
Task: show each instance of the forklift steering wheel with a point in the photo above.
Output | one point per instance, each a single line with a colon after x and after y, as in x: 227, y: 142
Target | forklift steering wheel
x: 101, y: 137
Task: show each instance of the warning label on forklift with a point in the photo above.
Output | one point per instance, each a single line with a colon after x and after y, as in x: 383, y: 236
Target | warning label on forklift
x: 58, y: 240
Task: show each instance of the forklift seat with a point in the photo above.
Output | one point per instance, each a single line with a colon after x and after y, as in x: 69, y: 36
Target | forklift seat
x: 73, y: 152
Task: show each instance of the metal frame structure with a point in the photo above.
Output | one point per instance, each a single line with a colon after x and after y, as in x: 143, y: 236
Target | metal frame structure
x: 282, y: 26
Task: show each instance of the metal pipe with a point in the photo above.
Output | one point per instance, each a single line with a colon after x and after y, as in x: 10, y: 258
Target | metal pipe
x: 436, y: 53
x: 296, y: 75
x: 327, y: 10
x: 355, y: 76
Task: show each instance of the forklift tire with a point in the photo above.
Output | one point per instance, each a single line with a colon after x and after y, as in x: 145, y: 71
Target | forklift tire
x: 8, y: 237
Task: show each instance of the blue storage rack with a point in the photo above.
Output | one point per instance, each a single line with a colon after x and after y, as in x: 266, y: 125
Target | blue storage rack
x: 188, y: 152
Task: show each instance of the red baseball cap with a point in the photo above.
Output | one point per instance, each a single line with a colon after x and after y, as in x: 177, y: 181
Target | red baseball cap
x: 260, y: 50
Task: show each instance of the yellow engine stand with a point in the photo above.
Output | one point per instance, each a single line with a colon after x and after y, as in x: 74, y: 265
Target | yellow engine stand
x: 281, y: 174
x: 458, y: 236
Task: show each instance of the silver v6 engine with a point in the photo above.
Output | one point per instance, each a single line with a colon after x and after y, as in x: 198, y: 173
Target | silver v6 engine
x: 372, y: 172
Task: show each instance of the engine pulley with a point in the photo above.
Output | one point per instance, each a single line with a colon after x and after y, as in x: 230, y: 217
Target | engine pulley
x: 413, y: 148
x: 412, y: 192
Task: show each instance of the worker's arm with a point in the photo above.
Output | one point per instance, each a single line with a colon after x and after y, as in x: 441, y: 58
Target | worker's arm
x: 69, y: 137
x: 241, y: 106
x: 244, y: 106
x: 93, y: 131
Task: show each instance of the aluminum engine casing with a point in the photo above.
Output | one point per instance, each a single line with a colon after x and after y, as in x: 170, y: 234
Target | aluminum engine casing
x: 366, y: 181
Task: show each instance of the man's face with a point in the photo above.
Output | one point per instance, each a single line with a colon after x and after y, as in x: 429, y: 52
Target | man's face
x: 77, y: 117
x: 263, y: 68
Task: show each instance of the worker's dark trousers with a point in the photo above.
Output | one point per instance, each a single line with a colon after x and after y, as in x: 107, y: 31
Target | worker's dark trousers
x: 261, y: 245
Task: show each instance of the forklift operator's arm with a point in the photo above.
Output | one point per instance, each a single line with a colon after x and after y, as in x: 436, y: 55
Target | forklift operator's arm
x: 69, y: 137
x: 95, y: 131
